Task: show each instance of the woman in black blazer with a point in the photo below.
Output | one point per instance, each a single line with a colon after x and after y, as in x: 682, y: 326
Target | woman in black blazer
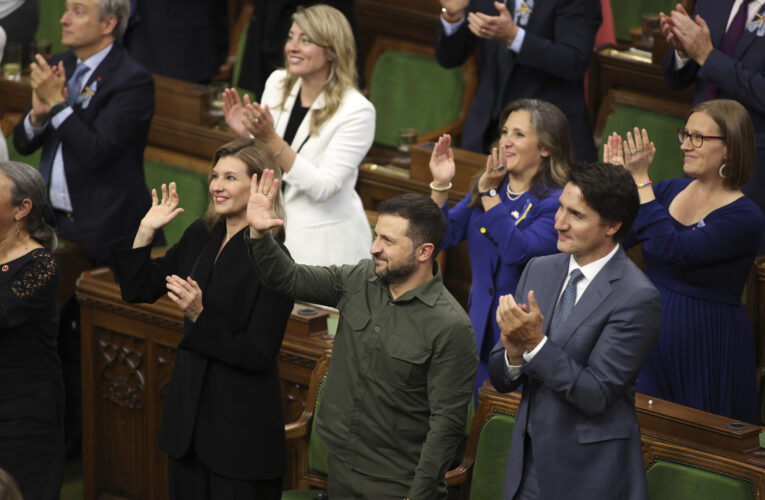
x: 222, y: 425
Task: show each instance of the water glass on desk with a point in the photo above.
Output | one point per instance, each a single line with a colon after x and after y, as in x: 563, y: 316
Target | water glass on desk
x: 405, y: 138
x: 12, y: 61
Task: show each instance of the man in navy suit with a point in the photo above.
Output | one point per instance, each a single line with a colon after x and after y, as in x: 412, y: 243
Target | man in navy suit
x: 528, y: 48
x: 577, y: 346
x: 725, y: 58
x: 91, y: 111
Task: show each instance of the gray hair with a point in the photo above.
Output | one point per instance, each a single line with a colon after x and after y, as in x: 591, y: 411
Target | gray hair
x: 117, y: 8
x: 29, y: 184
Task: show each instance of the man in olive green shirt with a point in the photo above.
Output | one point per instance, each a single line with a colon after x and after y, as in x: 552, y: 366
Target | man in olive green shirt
x: 400, y: 380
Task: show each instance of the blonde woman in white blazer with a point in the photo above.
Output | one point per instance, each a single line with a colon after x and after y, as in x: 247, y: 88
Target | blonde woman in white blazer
x: 325, y: 220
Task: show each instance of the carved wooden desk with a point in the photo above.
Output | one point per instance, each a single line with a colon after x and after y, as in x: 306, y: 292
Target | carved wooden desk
x: 128, y: 352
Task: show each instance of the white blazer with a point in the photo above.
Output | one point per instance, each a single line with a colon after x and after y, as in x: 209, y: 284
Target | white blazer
x: 325, y: 220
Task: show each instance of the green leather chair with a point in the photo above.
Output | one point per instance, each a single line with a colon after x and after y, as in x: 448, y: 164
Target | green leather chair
x: 621, y: 111
x: 628, y: 15
x: 675, y: 480
x: 409, y: 89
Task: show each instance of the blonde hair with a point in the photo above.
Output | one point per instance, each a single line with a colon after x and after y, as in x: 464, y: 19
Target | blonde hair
x: 257, y: 157
x: 327, y: 27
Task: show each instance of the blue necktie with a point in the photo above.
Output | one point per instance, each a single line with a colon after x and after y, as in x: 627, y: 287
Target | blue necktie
x: 74, y: 84
x: 565, y: 304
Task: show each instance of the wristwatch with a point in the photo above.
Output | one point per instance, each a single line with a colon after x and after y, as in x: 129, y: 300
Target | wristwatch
x: 57, y: 108
x: 491, y: 193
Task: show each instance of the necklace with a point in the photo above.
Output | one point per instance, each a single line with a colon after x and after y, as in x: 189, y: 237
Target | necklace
x: 512, y: 195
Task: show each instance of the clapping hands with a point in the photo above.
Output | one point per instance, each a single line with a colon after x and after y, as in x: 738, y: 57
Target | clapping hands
x: 635, y: 153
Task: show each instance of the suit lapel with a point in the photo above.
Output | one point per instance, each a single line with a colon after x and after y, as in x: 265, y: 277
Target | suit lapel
x: 718, y: 23
x: 593, y: 296
x: 747, y: 38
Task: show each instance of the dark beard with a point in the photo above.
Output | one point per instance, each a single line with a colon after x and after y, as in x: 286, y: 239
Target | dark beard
x: 392, y: 276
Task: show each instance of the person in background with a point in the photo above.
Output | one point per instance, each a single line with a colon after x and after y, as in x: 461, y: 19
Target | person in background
x: 32, y: 389
x: 319, y: 127
x: 222, y: 424
x: 508, y: 217
x: 20, y: 19
x: 721, y: 49
x: 700, y: 235
x: 3, y: 145
x: 528, y: 49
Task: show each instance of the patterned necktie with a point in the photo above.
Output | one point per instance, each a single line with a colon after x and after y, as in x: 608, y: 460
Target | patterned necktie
x: 565, y: 304
x: 730, y: 40
x: 74, y: 84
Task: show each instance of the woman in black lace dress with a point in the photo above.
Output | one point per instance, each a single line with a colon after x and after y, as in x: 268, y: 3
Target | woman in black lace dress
x: 31, y: 385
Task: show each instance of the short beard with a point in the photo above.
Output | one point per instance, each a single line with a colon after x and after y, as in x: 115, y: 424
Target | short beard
x: 393, y: 276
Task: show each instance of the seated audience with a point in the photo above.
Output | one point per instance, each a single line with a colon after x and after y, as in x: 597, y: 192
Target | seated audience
x: 700, y: 236
x: 222, y: 424
x: 319, y: 127
x: 32, y: 388
x: 509, y: 215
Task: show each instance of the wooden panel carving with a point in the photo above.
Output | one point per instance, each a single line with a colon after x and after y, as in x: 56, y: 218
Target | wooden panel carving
x: 121, y: 379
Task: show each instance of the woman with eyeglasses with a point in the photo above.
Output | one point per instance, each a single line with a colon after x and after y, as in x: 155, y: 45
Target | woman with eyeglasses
x: 700, y: 236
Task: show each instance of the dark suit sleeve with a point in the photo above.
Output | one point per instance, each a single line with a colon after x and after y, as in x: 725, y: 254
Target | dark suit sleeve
x: 255, y: 348
x: 20, y: 141
x: 454, y: 50
x: 125, y: 114
x: 567, y: 54
x: 679, y: 78
x: 619, y: 353
x: 735, y: 79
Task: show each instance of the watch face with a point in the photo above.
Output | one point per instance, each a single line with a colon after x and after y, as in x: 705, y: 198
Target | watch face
x: 492, y: 192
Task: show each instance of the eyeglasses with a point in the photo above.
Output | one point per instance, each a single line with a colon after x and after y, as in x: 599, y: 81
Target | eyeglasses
x: 696, y: 139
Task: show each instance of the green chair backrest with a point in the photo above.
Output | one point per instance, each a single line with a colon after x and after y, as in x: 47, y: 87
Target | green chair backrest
x: 317, y: 452
x: 413, y: 91
x: 662, y: 130
x: 628, y: 15
x: 192, y: 191
x: 13, y: 155
x: 669, y: 479
x: 491, y: 457
x: 50, y: 26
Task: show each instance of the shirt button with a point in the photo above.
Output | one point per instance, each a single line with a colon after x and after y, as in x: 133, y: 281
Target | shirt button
x: 483, y: 230
x: 377, y: 329
x: 391, y: 303
x: 491, y: 292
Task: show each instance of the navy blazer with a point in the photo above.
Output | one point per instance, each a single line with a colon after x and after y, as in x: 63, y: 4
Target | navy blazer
x: 556, y: 51
x: 103, y: 146
x: 740, y: 77
x: 224, y: 396
x: 578, y: 403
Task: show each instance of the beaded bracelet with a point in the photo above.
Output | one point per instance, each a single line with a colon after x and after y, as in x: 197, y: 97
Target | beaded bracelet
x: 647, y: 183
x: 440, y: 189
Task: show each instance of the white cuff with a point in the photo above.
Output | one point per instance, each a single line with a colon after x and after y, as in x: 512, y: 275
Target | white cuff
x: 62, y: 115
x: 680, y: 62
x: 518, y: 41
x: 30, y: 130
x: 451, y: 28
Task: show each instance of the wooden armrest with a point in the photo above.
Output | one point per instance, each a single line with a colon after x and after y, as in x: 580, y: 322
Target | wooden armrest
x: 460, y: 474
x: 299, y: 427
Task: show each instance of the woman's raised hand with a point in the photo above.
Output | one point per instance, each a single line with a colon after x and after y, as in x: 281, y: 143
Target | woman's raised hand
x: 612, y: 150
x: 494, y: 173
x: 159, y: 215
x: 442, y: 162
x: 261, y: 204
x: 639, y: 152
x: 234, y: 111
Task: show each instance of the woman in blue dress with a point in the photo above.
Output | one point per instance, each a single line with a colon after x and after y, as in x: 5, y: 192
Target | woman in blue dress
x: 700, y: 236
x: 508, y: 216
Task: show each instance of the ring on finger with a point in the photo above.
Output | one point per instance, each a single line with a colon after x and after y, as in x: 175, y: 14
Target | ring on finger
x: 500, y: 168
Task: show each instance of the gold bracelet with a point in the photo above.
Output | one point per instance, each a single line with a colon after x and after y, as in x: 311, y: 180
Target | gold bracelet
x: 440, y: 189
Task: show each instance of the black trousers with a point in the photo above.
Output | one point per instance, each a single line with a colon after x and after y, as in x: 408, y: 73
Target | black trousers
x: 190, y: 479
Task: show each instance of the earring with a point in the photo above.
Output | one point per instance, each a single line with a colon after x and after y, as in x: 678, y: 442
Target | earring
x: 720, y: 172
x: 17, y: 228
